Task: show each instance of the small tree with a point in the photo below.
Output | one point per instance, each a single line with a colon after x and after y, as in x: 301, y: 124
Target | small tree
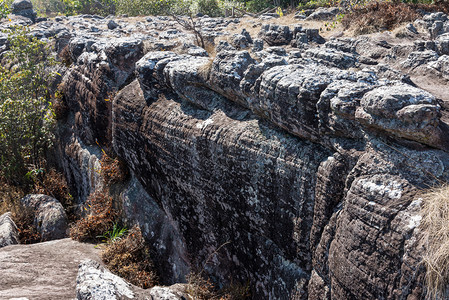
x: 26, y: 117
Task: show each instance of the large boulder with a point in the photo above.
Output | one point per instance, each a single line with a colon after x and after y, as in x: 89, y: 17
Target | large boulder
x: 9, y: 234
x: 403, y: 111
x: 50, y: 218
x: 24, y: 8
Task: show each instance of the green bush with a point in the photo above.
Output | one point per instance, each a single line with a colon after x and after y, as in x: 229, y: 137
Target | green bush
x: 26, y: 117
x: 92, y: 7
x: 209, y: 7
x: 4, y: 9
x: 258, y: 5
x: 152, y: 7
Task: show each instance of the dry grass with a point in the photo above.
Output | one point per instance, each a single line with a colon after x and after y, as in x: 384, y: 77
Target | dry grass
x: 23, y: 217
x: 379, y: 16
x: 54, y: 184
x: 60, y: 108
x: 99, y: 218
x: 204, y: 70
x: 435, y: 228
x: 129, y: 258
x: 201, y: 288
x: 65, y: 56
x: 113, y: 170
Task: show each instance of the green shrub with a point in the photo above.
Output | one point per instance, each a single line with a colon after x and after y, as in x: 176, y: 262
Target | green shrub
x: 209, y: 7
x: 152, y: 7
x: 258, y: 5
x: 92, y: 7
x: 4, y: 9
x: 26, y: 116
x: 115, y: 234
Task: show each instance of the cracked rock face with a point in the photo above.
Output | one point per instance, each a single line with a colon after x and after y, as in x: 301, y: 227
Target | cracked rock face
x: 305, y: 154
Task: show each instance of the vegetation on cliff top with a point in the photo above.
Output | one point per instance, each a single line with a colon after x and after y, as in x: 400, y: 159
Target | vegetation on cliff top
x: 207, y: 7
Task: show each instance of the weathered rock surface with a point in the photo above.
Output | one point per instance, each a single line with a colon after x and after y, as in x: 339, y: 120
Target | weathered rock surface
x: 43, y: 271
x: 308, y: 158
x: 9, y: 234
x: 24, y: 8
x: 96, y: 282
x: 50, y: 218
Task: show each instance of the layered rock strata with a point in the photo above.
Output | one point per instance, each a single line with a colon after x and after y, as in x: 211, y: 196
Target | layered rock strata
x: 295, y: 166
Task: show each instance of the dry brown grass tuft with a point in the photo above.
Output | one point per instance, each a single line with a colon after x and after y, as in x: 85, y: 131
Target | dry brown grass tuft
x: 65, y: 56
x: 202, y: 288
x: 99, y: 218
x: 204, y: 70
x: 379, y: 16
x: 54, y: 184
x: 435, y: 228
x: 113, y: 170
x: 209, y: 46
x: 23, y: 217
x: 60, y: 108
x: 129, y: 258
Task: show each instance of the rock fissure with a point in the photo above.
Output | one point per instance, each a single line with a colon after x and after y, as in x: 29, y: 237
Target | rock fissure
x: 306, y: 153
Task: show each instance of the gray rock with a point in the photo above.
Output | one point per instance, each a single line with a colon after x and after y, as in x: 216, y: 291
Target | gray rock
x: 174, y: 292
x: 276, y: 35
x: 313, y: 35
x: 197, y: 51
x: 95, y: 282
x: 403, y: 110
x: 50, y: 218
x: 443, y: 44
x: 257, y: 45
x: 112, y: 25
x: 227, y: 70
x: 440, y: 67
x: 323, y: 14
x: 19, y: 5
x: 333, y: 58
x: 224, y: 46
x: 240, y: 41
x: 411, y: 28
x: 24, y: 8
x: 416, y: 59
x: 9, y: 234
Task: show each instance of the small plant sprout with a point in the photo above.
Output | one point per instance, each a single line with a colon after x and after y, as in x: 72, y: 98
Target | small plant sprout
x: 115, y: 234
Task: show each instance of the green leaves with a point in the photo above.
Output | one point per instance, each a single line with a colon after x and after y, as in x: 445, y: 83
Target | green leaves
x: 116, y: 233
x: 26, y: 122
x: 4, y: 10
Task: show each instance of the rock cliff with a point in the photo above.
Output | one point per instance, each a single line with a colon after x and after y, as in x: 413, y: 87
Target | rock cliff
x: 304, y: 156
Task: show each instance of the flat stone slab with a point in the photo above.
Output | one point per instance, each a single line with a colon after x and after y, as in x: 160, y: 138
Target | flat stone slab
x: 43, y: 271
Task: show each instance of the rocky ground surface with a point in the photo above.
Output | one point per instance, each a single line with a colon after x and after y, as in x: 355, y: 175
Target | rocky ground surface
x: 43, y: 271
x: 306, y: 151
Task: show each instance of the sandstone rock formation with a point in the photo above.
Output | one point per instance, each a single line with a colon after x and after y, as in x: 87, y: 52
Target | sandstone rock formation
x: 42, y: 271
x: 9, y: 234
x: 50, y: 218
x: 306, y: 154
